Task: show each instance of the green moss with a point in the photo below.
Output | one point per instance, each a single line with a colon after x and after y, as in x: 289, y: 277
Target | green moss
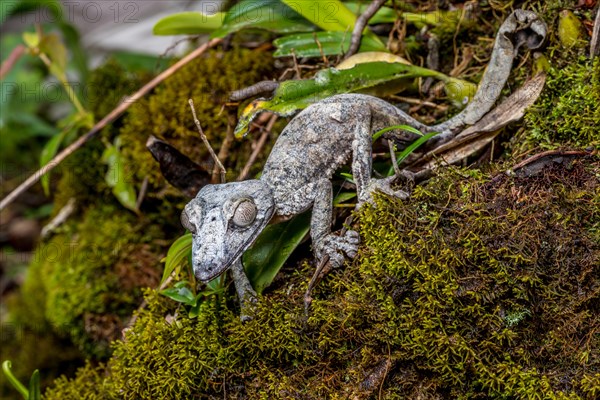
x: 88, y: 384
x: 476, y: 287
x: 85, y: 281
x: 567, y: 111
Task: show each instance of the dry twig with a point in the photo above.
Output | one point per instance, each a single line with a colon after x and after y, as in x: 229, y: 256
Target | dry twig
x: 258, y: 148
x: 361, y: 23
x: 206, y: 143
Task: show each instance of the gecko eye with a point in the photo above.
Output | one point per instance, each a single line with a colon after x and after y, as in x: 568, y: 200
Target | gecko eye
x: 185, y: 221
x: 245, y: 213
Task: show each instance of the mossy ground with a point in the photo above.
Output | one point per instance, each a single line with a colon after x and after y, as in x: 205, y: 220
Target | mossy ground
x: 479, y: 286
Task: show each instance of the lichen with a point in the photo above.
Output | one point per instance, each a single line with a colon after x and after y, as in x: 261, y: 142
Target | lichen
x: 478, y: 286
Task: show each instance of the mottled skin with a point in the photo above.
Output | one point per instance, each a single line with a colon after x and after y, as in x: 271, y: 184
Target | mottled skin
x: 226, y: 219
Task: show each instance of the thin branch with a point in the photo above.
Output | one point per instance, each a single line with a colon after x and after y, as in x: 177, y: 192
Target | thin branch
x: 13, y: 57
x: 259, y: 146
x: 60, y: 218
x: 361, y: 23
x: 113, y: 115
x: 256, y: 89
x: 206, y: 143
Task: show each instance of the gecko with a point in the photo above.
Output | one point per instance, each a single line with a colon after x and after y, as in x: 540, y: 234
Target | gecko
x: 225, y: 219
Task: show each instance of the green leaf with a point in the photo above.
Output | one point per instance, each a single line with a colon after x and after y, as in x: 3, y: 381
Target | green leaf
x: 330, y: 15
x: 343, y: 197
x: 116, y: 178
x: 177, y: 255
x: 182, y: 295
x: 52, y: 45
x: 267, y: 255
x: 34, y: 386
x: 382, y: 16
x: 48, y: 152
x: 322, y: 43
x: 412, y: 147
x: 31, y: 39
x: 294, y: 95
x: 6, y: 366
x: 270, y: 15
x: 188, y: 23
x: 407, y: 128
x: 195, y: 309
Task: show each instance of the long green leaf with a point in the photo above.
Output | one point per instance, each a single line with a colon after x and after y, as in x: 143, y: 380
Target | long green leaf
x: 330, y: 15
x: 177, y: 255
x: 34, y: 386
x: 321, y: 43
x: 188, y: 23
x: 294, y: 95
x: 411, y: 148
x: 270, y: 15
x: 267, y: 255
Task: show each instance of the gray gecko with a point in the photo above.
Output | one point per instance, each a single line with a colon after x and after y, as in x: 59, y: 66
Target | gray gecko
x: 226, y: 219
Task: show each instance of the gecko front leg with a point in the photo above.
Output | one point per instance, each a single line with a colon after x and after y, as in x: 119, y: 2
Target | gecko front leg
x: 326, y: 243
x: 244, y: 289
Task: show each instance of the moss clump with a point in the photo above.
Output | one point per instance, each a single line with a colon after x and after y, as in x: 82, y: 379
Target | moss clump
x: 567, y: 111
x: 88, y: 384
x: 476, y: 287
x: 83, y: 281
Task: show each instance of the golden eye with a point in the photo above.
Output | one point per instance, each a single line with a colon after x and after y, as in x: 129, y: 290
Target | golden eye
x: 185, y: 221
x: 245, y: 213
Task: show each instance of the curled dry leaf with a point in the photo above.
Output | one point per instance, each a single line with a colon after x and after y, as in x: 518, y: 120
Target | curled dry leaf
x: 477, y: 136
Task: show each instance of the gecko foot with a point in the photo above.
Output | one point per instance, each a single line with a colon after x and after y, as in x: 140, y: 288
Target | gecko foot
x: 385, y: 186
x: 333, y: 246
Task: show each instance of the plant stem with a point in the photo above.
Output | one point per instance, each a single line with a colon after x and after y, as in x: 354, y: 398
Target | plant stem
x: 66, y: 85
x: 6, y: 366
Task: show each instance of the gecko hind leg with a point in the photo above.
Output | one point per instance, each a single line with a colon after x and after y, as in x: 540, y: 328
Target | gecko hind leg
x: 362, y: 151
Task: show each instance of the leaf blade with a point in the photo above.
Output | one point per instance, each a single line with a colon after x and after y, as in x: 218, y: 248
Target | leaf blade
x: 271, y: 250
x: 177, y: 255
x: 188, y: 23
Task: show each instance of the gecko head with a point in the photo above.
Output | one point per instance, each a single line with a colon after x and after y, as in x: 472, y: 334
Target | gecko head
x: 225, y: 220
